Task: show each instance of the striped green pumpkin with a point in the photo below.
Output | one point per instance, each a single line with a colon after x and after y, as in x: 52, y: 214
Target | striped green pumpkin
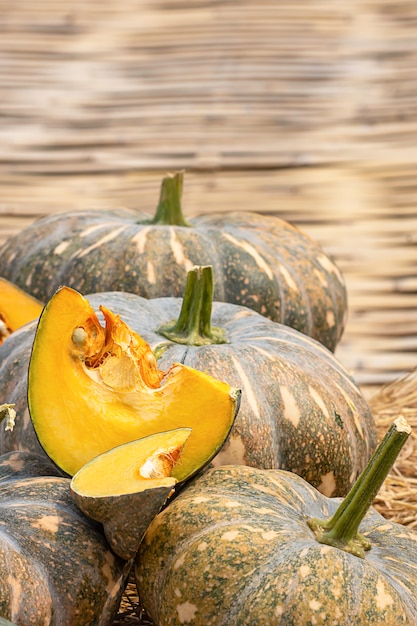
x: 56, y: 567
x: 259, y: 261
x: 236, y: 547
x: 300, y: 409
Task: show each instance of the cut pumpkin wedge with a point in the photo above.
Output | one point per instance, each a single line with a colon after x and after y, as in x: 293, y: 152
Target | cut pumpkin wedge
x: 17, y: 308
x: 127, y: 486
x: 92, y: 387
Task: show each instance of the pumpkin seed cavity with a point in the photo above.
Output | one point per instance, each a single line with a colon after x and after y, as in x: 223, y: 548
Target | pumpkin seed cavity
x: 160, y: 464
x: 114, y: 355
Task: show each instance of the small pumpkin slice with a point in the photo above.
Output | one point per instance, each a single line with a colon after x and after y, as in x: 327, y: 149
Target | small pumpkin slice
x: 127, y: 486
x: 93, y: 387
x: 17, y: 308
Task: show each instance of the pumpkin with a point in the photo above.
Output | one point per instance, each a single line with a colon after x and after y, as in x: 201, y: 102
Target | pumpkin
x: 56, y: 567
x: 91, y: 388
x: 300, y: 409
x: 17, y: 308
x: 124, y: 488
x: 14, y: 363
x: 259, y: 261
x: 247, y: 546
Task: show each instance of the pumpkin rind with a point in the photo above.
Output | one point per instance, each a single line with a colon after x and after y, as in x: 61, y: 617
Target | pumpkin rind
x: 259, y: 261
x: 56, y: 566
x: 300, y: 409
x: 234, y: 548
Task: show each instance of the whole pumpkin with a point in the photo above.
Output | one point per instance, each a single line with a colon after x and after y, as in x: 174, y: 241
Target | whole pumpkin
x: 300, y: 409
x: 56, y: 567
x: 259, y: 261
x: 241, y: 546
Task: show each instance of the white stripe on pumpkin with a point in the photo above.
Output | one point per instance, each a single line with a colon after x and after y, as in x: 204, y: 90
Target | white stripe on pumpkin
x: 244, y: 245
x: 178, y: 251
x: 291, y: 408
x: 140, y: 239
x: 109, y: 237
x: 248, y: 391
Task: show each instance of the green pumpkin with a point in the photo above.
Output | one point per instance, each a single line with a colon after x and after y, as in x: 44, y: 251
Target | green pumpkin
x: 300, y: 409
x: 259, y: 261
x: 56, y: 567
x: 244, y: 546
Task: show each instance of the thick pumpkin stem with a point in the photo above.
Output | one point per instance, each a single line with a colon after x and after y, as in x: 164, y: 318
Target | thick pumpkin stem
x: 341, y: 530
x: 193, y: 326
x: 169, y: 211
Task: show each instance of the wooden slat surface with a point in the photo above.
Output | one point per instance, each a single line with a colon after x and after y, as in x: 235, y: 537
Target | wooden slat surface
x: 305, y: 109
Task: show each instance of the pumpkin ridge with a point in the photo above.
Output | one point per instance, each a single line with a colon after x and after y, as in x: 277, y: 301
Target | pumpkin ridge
x: 43, y: 577
x: 274, y: 257
x: 30, y: 558
x: 181, y: 548
x: 269, y: 242
x: 257, y: 577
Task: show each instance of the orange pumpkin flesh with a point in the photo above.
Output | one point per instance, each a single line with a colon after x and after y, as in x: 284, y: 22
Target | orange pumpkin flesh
x: 132, y: 467
x: 17, y: 308
x: 126, y: 487
x: 94, y: 387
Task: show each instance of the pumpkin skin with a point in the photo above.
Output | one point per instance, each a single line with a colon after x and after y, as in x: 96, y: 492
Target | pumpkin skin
x: 56, y: 567
x: 14, y: 362
x: 259, y: 261
x: 300, y: 410
x: 234, y: 548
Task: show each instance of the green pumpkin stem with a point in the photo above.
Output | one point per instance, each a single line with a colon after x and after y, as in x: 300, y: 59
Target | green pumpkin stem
x: 169, y: 211
x: 341, y: 530
x: 193, y: 326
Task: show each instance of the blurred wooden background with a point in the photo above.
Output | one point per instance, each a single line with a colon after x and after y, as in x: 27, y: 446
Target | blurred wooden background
x: 302, y: 108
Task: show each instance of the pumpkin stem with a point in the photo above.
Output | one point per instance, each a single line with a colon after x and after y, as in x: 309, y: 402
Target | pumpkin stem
x: 193, y: 326
x: 169, y: 211
x: 341, y: 530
